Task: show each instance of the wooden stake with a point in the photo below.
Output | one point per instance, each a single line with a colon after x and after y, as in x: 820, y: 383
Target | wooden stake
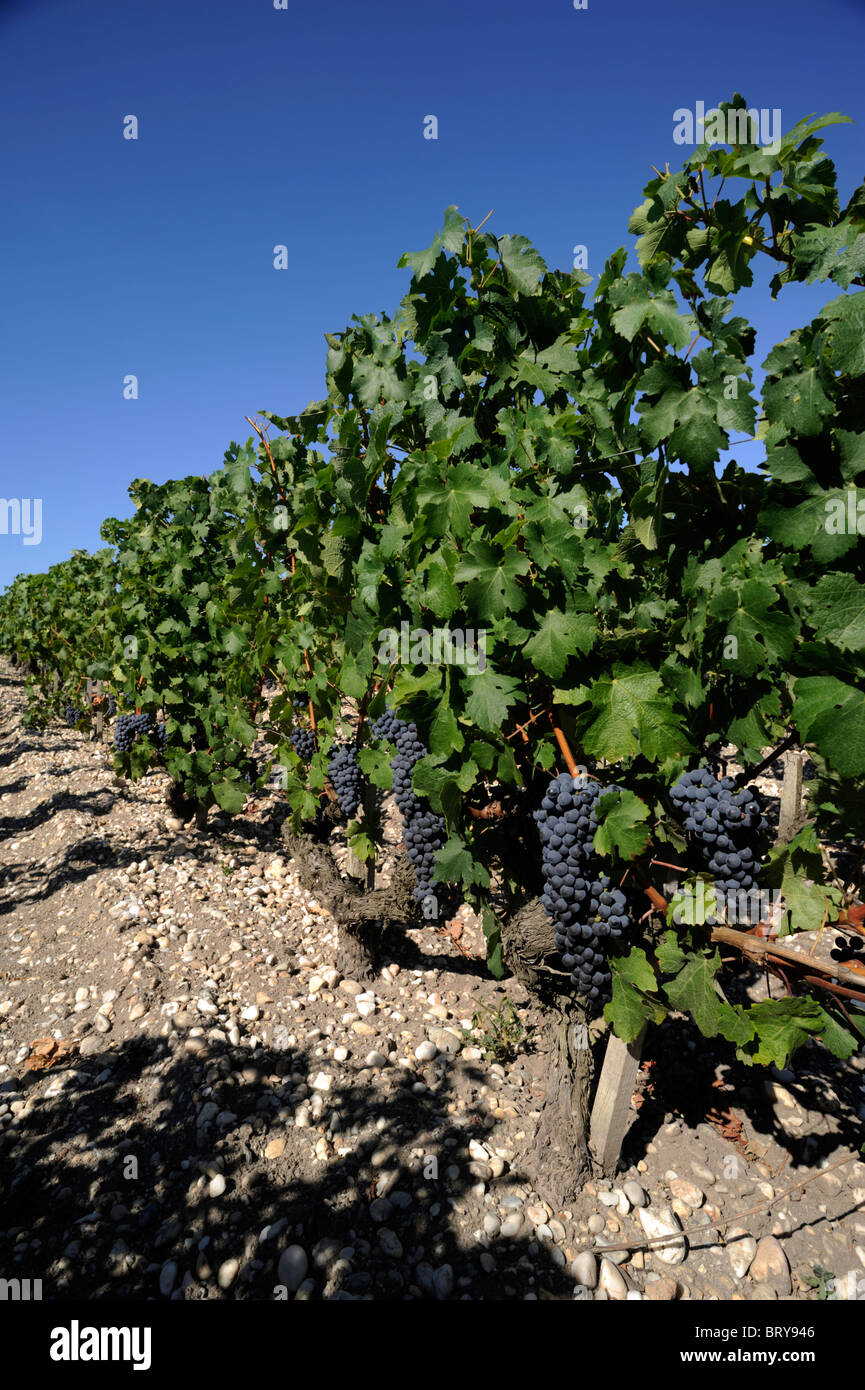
x: 791, y: 795
x: 610, y: 1112
x: 358, y: 868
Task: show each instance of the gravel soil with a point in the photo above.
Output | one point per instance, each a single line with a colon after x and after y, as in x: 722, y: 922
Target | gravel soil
x: 194, y: 1104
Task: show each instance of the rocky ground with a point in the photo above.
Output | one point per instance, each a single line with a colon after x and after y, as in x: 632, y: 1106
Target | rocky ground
x: 194, y: 1104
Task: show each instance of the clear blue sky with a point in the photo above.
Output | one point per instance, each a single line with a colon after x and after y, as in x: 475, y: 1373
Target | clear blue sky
x: 304, y: 126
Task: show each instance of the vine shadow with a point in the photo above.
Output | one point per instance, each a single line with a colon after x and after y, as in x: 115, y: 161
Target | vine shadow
x: 99, y: 1195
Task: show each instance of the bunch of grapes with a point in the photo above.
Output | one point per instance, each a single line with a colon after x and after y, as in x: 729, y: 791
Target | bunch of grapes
x: 303, y: 743
x: 129, y: 727
x: 584, y: 906
x: 424, y: 832
x: 72, y: 715
x: 112, y: 707
x: 845, y: 951
x: 269, y: 683
x: 344, y: 773
x: 726, y: 823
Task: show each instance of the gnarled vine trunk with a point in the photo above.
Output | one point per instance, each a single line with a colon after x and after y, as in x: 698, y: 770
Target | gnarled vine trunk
x: 359, y: 913
x: 557, y: 1157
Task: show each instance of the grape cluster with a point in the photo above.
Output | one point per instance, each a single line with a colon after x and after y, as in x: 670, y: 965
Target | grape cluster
x: 112, y: 707
x: 269, y: 683
x: 844, y: 950
x: 584, y: 906
x: 129, y: 727
x: 424, y: 832
x: 303, y: 743
x: 726, y: 823
x: 344, y: 773
x: 72, y: 715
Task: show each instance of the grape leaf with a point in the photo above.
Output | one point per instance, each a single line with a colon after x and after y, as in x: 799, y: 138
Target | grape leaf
x: 622, y: 830
x: 781, y: 1026
x: 631, y: 1006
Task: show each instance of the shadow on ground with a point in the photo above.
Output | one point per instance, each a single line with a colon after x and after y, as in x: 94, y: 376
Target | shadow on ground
x: 107, y: 1180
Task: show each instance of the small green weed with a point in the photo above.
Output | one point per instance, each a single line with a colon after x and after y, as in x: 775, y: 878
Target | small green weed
x: 502, y: 1034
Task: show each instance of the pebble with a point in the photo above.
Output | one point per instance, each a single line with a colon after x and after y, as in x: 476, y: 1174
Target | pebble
x: 443, y: 1281
x: 615, y: 1256
x: 380, y: 1210
x: 167, y: 1277
x: 584, y: 1268
x: 511, y: 1226
x: 537, y: 1214
x: 613, y: 1283
x: 446, y: 1041
x: 635, y: 1194
x: 596, y: 1223
x: 390, y: 1243
x: 770, y: 1267
x: 275, y: 1148
x: 375, y: 1060
x: 687, y: 1192
x: 426, y: 1051
x: 216, y: 1186
x: 661, y: 1290
x: 293, y: 1264
x: 741, y: 1249
x: 227, y: 1273
x: 663, y: 1223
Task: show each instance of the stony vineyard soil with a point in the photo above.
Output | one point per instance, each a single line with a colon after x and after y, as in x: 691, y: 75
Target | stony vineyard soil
x: 195, y: 1105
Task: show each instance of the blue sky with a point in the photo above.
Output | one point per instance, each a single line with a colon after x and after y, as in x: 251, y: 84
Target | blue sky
x: 304, y: 126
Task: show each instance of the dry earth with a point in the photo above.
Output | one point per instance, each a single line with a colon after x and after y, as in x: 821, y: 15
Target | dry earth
x: 195, y: 1105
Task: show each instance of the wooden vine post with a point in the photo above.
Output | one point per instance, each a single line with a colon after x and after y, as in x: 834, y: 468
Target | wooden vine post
x: 100, y: 717
x: 791, y: 795
x: 611, y: 1110
x: 359, y: 868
